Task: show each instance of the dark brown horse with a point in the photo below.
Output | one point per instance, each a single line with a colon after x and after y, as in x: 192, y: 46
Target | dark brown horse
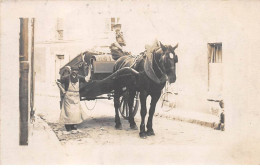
x: 156, y: 66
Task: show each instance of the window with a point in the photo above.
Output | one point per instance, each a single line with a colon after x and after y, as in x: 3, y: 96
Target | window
x: 60, y: 34
x: 215, y: 52
x: 60, y: 56
x: 114, y: 21
x: 60, y: 29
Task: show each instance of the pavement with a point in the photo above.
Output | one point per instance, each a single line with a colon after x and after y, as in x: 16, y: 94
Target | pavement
x: 190, y: 116
x: 42, y: 141
x: 195, y: 145
x: 43, y: 147
x: 42, y: 137
x: 171, y: 110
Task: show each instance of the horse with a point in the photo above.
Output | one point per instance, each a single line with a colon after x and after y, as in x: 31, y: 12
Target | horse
x: 155, y: 67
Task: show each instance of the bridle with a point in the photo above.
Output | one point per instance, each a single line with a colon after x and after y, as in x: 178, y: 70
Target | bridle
x: 162, y: 61
x: 162, y: 71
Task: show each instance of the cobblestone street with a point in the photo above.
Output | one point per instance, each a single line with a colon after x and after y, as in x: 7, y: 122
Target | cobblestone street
x: 98, y: 142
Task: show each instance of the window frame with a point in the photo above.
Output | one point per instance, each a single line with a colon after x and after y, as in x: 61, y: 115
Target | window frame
x: 213, y: 48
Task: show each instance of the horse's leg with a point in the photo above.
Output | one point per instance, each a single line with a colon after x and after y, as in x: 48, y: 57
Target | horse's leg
x: 117, y: 105
x: 143, y: 97
x: 155, y: 98
x: 130, y: 105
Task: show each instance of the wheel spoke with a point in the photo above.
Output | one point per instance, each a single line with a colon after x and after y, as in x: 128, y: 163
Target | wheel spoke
x: 124, y: 107
x: 120, y: 106
x: 121, y: 101
x: 126, y: 110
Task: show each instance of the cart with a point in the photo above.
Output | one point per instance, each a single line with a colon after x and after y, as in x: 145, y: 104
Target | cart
x: 102, y: 79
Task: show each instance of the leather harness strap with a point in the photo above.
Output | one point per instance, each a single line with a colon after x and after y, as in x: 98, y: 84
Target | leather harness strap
x: 148, y: 68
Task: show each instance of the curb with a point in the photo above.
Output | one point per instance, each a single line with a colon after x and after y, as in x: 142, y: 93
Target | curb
x: 44, y: 147
x: 185, y: 119
x: 47, y: 129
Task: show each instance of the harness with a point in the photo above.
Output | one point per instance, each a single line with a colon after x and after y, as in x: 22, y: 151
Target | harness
x: 134, y: 63
x: 158, y: 66
x: 148, y: 68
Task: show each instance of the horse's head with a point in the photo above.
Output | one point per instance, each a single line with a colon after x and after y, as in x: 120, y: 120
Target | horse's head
x: 168, y: 61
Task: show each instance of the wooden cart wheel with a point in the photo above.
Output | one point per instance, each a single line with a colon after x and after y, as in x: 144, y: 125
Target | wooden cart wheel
x: 124, y: 108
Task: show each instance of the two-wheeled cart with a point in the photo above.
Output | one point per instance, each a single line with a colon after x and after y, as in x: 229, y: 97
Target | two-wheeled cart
x: 102, y: 79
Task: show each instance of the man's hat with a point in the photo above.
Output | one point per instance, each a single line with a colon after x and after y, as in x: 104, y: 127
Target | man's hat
x: 68, y: 68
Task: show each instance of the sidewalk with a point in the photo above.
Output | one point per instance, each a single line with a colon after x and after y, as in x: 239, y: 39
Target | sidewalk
x: 184, y: 115
x: 188, y: 115
x: 43, y: 147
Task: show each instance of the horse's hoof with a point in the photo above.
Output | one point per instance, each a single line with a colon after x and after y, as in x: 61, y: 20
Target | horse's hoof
x: 134, y: 127
x: 143, y: 135
x: 150, y: 133
x: 118, y: 126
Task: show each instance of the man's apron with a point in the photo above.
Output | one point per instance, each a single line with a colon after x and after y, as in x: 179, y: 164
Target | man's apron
x: 71, y: 111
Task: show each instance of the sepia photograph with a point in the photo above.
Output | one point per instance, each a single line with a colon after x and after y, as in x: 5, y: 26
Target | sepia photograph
x: 129, y: 82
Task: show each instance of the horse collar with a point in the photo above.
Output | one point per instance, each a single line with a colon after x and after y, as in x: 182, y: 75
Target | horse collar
x: 148, y: 68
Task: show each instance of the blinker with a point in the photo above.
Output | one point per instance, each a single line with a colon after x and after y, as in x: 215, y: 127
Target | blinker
x: 171, y: 55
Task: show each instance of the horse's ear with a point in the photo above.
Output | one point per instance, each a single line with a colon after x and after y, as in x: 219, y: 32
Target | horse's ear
x: 162, y: 46
x: 175, y: 46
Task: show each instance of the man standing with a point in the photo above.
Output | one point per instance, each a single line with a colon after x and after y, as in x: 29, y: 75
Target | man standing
x: 116, y: 47
x: 71, y: 111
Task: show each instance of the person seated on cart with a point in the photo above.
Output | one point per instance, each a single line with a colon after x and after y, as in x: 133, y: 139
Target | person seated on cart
x: 71, y: 111
x: 117, y: 47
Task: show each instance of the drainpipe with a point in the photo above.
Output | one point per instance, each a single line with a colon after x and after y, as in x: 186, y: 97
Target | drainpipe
x: 23, y: 81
